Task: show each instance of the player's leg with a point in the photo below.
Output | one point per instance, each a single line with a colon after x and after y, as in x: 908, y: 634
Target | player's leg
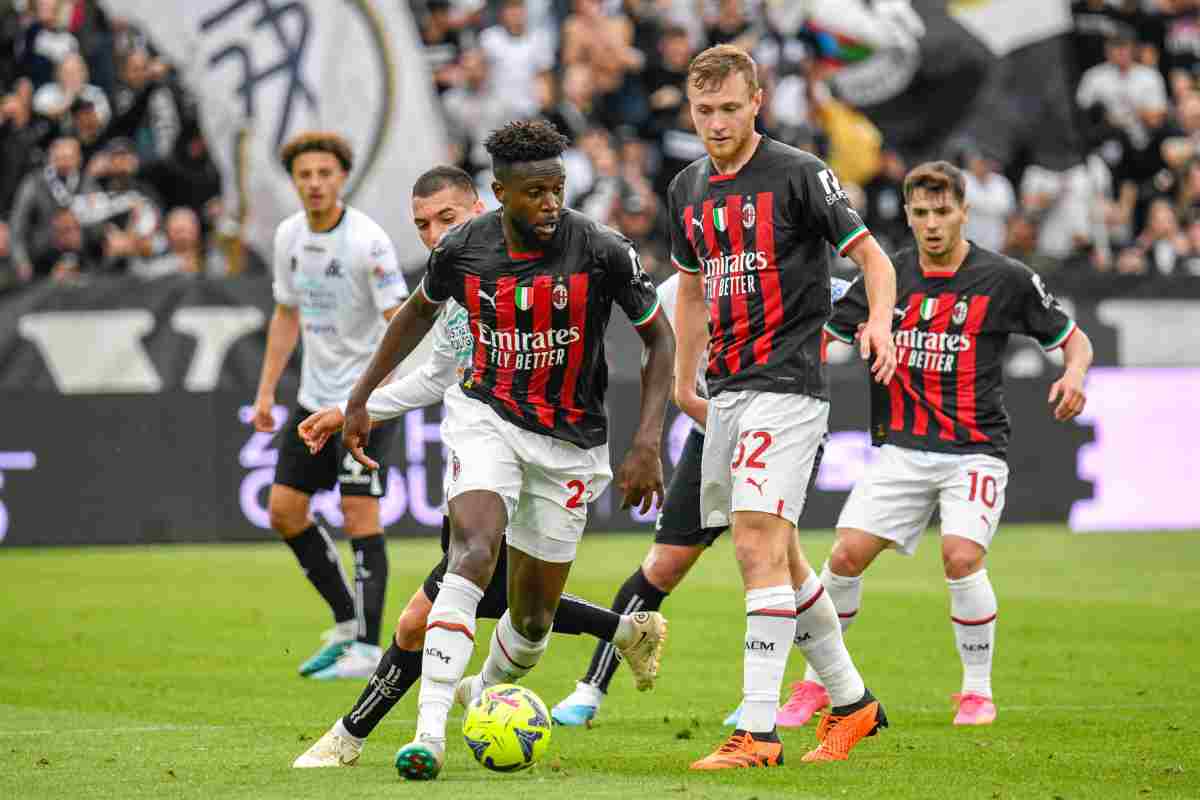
x: 679, y: 541
x: 396, y: 672
x: 972, y: 500
x: 299, y: 475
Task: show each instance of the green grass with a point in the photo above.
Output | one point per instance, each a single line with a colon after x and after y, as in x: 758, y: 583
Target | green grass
x: 170, y: 672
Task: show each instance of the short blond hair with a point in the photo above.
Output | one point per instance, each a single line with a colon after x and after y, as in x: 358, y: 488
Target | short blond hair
x: 711, y: 67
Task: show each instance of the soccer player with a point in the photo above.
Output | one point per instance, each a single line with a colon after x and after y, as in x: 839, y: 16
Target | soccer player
x: 442, y: 198
x: 526, y: 428
x: 679, y: 541
x: 752, y: 226
x: 941, y: 425
x: 336, y: 285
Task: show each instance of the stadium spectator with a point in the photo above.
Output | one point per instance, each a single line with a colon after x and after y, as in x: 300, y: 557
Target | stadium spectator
x: 445, y: 42
x: 45, y: 43
x: 666, y: 74
x: 884, y: 202
x: 68, y: 252
x: 44, y: 191
x: 146, y: 109
x: 516, y: 55
x: 990, y: 199
x: 1161, y: 241
x: 474, y: 110
x: 20, y: 133
x: 1123, y: 93
x: 573, y: 110
x: 55, y: 100
x: 604, y: 43
x: 187, y: 253
x: 122, y: 209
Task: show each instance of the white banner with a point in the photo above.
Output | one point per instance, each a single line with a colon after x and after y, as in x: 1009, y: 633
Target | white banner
x: 265, y: 70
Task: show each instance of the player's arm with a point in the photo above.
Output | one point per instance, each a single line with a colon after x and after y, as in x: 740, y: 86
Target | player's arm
x: 640, y: 477
x: 879, y: 279
x: 1068, y: 390
x: 404, y: 332
x: 283, y: 332
x: 691, y: 342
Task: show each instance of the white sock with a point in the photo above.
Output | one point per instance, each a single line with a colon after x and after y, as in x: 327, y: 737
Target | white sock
x: 770, y: 622
x: 625, y: 632
x: 973, y: 612
x: 819, y: 636
x: 846, y: 594
x: 449, y: 640
x: 347, y: 629
x: 340, y: 730
x: 511, y: 656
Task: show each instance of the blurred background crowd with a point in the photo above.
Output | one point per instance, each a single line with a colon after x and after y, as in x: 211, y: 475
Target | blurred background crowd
x: 104, y: 167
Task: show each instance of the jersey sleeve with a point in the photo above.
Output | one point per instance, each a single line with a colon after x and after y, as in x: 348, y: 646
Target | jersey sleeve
x: 628, y: 283
x: 436, y: 283
x: 849, y: 311
x: 1037, y: 313
x: 820, y: 202
x: 283, y: 268
x: 683, y: 257
x: 383, y: 275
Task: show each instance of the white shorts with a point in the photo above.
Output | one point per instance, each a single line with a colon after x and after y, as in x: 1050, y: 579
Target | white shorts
x: 546, y: 483
x: 896, y: 497
x: 759, y: 450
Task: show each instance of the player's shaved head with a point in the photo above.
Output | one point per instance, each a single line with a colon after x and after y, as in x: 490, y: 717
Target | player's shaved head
x: 532, y: 147
x: 444, y: 176
x: 936, y: 178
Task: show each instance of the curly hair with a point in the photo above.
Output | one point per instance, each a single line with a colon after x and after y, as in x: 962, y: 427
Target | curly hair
x: 317, y: 142
x: 524, y: 141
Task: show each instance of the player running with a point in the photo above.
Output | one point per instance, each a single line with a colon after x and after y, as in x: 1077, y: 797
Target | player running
x: 679, y: 541
x: 941, y: 425
x: 526, y: 428
x: 336, y: 285
x: 751, y: 230
x: 442, y: 198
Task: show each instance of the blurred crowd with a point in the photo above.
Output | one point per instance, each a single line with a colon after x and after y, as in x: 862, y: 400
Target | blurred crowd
x: 104, y: 168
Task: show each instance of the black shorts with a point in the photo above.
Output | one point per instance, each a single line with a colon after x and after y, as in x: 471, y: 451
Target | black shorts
x: 679, y: 522
x: 333, y: 465
x: 495, y: 596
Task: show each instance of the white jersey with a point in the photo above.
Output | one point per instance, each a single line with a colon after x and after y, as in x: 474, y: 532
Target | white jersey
x: 342, y: 280
x: 450, y: 357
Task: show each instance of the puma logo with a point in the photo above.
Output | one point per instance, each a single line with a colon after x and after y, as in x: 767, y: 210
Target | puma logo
x: 698, y: 224
x: 756, y: 484
x: 490, y: 298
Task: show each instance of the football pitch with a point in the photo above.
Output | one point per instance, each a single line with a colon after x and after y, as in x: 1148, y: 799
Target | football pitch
x: 170, y: 672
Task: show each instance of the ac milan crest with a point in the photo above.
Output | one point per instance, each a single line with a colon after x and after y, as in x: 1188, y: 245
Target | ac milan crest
x: 960, y: 312
x: 748, y: 215
x: 455, y: 467
x: 559, y: 296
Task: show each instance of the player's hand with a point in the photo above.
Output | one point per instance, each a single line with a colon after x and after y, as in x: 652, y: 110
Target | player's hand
x: 876, y: 339
x: 356, y: 430
x: 640, y: 478
x: 316, y: 429
x: 264, y: 420
x: 1068, y: 393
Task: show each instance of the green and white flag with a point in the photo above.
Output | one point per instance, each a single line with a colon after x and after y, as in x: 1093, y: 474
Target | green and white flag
x: 928, y: 308
x: 719, y: 219
x: 524, y: 297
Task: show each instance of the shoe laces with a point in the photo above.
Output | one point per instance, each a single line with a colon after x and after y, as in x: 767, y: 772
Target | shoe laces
x: 736, y: 743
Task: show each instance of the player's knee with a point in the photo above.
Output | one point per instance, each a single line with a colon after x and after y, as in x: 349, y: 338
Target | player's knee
x: 473, y: 557
x: 361, y: 517
x: 961, y: 562
x: 287, y: 521
x: 666, y: 570
x: 846, y: 562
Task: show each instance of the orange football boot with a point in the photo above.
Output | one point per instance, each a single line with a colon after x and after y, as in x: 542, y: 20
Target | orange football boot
x: 838, y: 733
x: 743, y: 750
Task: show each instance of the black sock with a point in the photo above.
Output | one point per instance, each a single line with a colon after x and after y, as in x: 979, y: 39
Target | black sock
x: 636, y: 594
x: 370, y: 584
x: 398, y: 670
x: 323, y: 567
x: 576, y: 615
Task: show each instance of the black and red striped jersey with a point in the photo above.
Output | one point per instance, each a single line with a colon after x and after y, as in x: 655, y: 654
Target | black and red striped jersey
x: 538, y: 319
x: 763, y: 238
x: 951, y: 330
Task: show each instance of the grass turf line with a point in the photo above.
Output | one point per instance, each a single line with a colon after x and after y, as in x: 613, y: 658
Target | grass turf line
x: 170, y: 672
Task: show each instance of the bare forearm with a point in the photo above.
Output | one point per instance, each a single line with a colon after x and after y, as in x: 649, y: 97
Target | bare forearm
x: 1077, y: 353
x: 656, y: 382
x: 879, y: 278
x: 283, y: 333
x: 405, y: 331
x: 691, y: 331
